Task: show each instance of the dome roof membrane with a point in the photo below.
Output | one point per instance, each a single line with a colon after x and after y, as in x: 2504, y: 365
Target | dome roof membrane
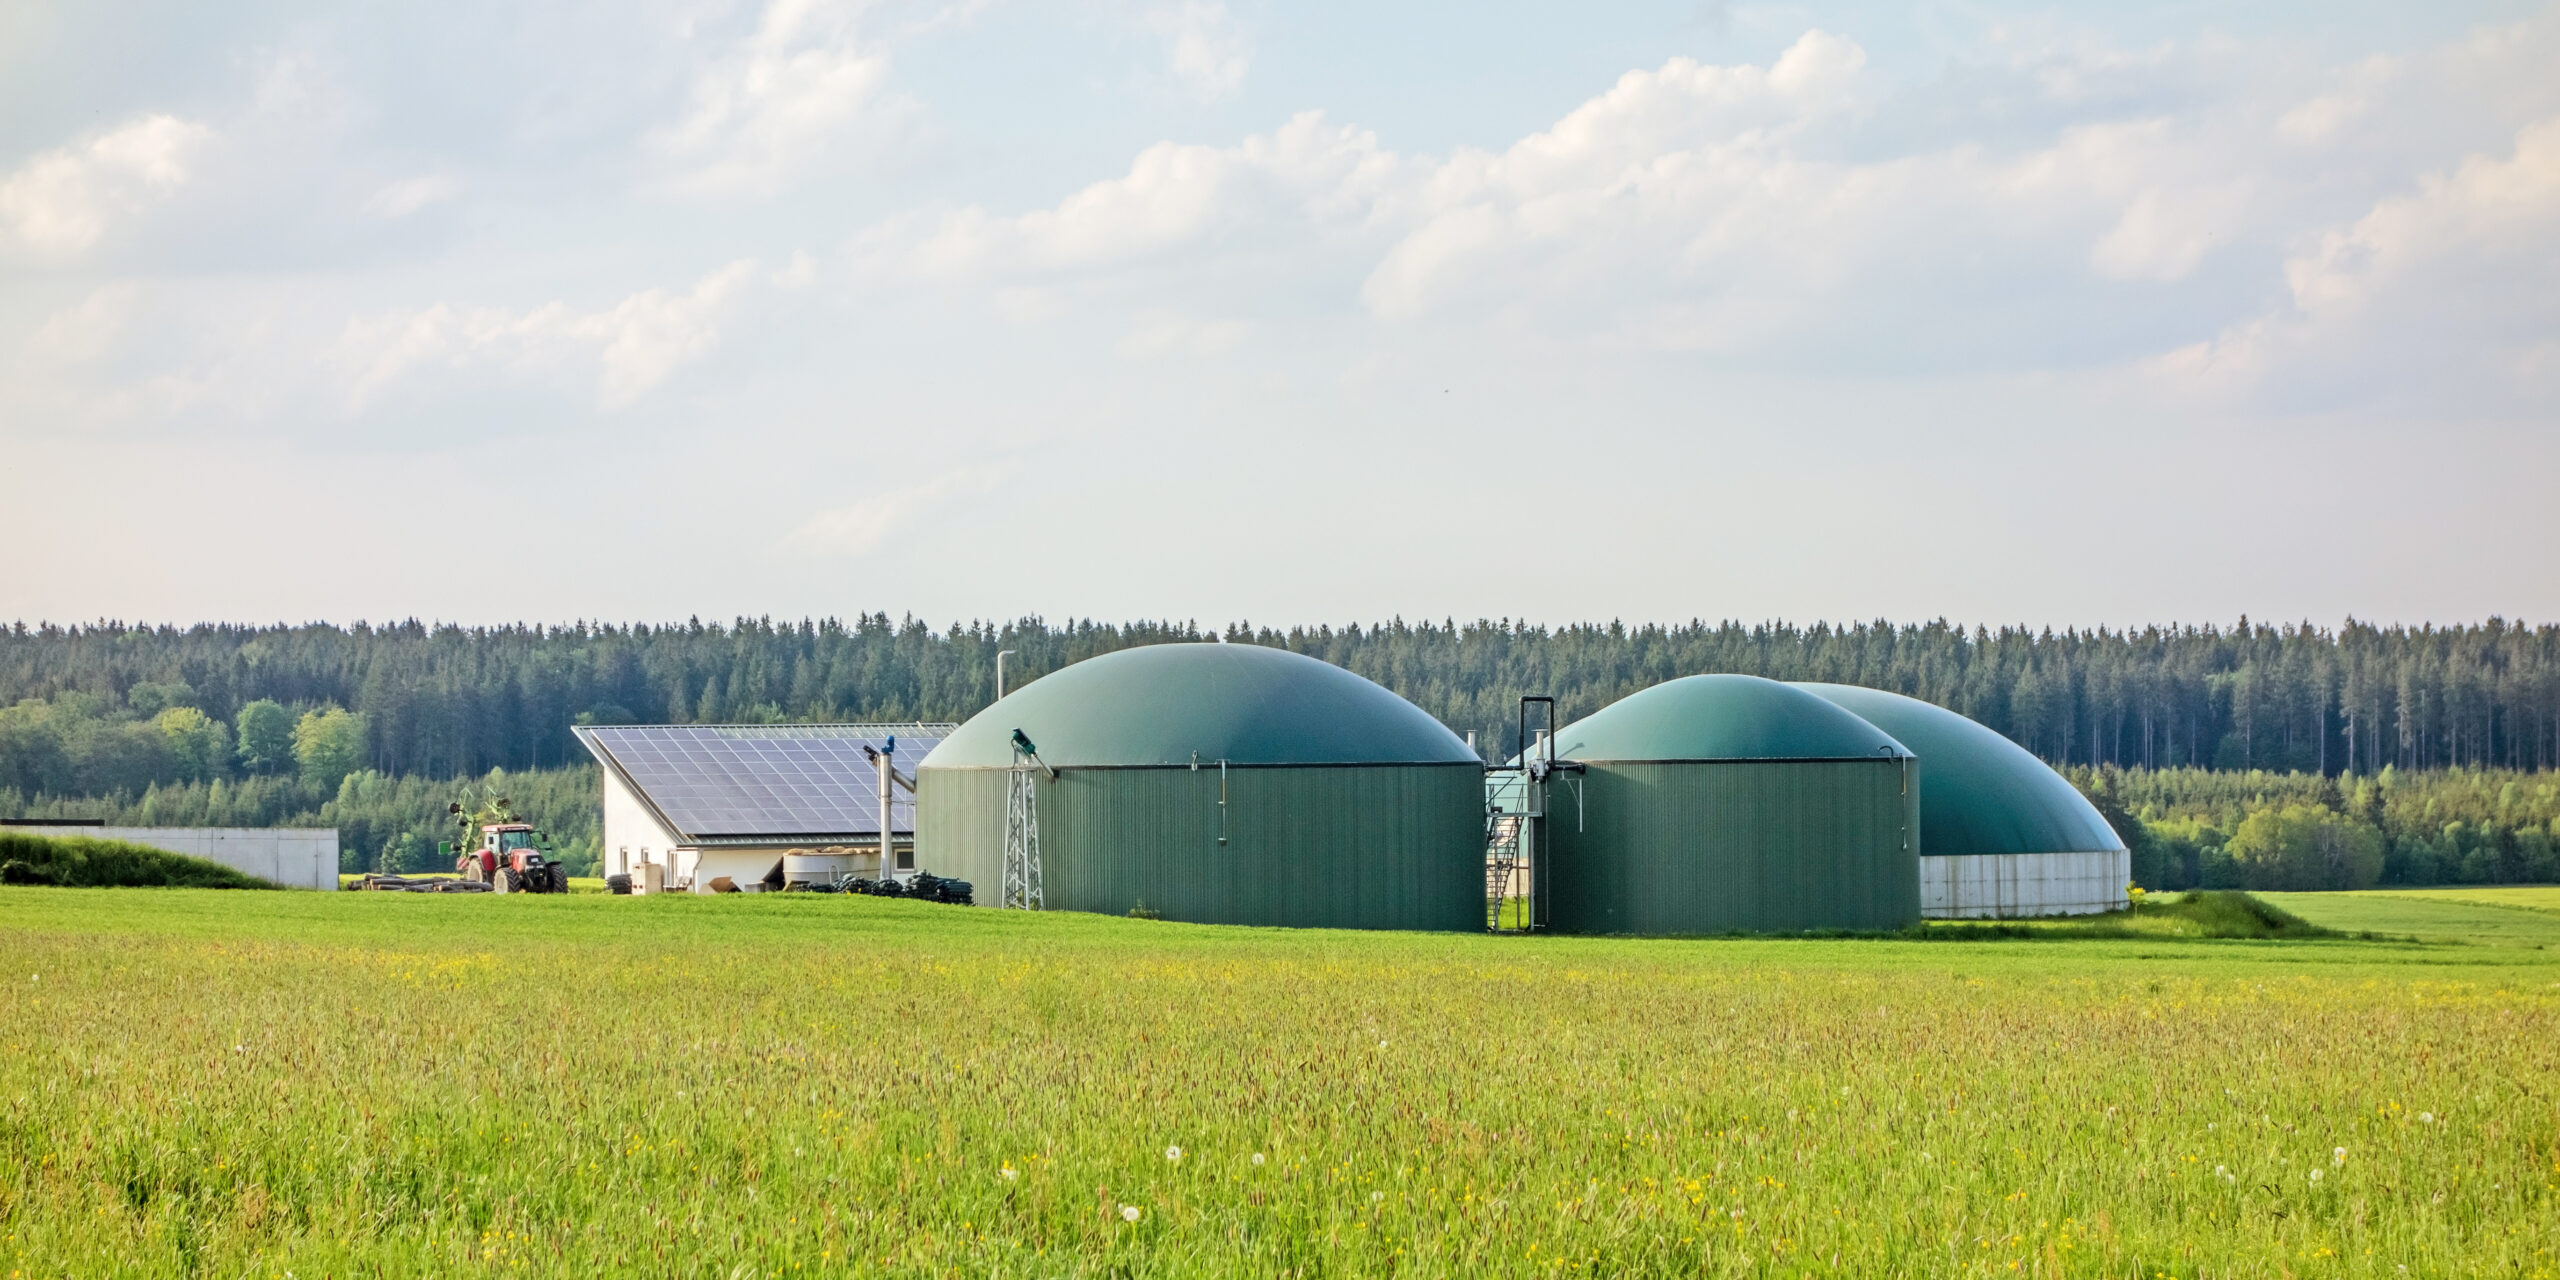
x: 1723, y: 717
x: 1170, y: 704
x: 1980, y: 793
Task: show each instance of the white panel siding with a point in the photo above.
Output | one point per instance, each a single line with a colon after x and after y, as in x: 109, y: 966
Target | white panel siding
x: 2017, y: 885
x: 632, y: 834
x: 295, y: 857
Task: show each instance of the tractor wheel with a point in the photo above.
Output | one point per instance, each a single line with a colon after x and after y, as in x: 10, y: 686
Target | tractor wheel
x: 559, y: 877
x: 505, y: 881
x: 617, y: 884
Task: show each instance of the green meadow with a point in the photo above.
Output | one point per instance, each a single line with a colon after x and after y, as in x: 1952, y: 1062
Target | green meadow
x: 196, y: 1082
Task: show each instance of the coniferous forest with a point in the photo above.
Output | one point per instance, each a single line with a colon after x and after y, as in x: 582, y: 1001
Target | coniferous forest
x: 2184, y: 733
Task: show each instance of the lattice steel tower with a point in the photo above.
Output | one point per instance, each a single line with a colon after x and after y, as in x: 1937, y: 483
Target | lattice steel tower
x: 1022, y: 829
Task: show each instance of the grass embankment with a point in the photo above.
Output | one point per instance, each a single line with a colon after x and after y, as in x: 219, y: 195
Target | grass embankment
x: 412, y: 1085
x: 2199, y: 913
x: 85, y: 862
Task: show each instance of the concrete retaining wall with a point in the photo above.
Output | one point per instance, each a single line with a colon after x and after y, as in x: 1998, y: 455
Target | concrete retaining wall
x: 2018, y: 885
x: 295, y: 857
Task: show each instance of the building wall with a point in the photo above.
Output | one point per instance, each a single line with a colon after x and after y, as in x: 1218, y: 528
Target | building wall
x: 748, y: 864
x: 2015, y: 885
x: 295, y: 857
x: 1725, y: 847
x: 631, y: 833
x: 1325, y: 846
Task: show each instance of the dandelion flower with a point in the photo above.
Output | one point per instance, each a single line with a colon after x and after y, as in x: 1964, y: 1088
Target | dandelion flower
x: 1010, y: 1173
x: 1174, y: 1154
x: 2338, y: 1155
x: 2426, y: 1117
x: 1257, y: 1157
x: 1128, y: 1213
x: 1377, y: 1196
x: 2315, y: 1175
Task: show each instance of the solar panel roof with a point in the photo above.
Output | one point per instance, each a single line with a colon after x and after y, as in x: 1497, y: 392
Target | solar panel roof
x: 713, y: 781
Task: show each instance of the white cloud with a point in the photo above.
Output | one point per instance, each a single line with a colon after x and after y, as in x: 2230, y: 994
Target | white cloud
x: 407, y: 196
x: 62, y: 201
x: 1205, y: 49
x: 2449, y: 291
x: 1734, y: 207
x: 631, y: 346
x: 87, y: 332
x: 2162, y: 237
x: 864, y: 525
x: 1175, y: 196
x: 2506, y: 210
x: 779, y: 101
x: 1166, y: 333
x: 1794, y: 215
x: 2321, y: 118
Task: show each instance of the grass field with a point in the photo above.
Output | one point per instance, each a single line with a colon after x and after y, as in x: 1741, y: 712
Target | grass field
x: 577, y: 884
x: 2480, y: 917
x: 409, y: 1085
x: 2530, y: 897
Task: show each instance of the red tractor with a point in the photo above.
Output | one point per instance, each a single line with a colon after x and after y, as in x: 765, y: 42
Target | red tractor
x: 508, y: 856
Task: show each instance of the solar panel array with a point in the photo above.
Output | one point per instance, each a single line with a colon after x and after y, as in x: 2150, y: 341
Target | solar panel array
x: 712, y: 781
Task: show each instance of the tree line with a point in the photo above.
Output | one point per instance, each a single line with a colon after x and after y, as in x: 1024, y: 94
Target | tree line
x: 449, y: 701
x: 2199, y: 828
x: 2252, y: 756
x: 2249, y: 756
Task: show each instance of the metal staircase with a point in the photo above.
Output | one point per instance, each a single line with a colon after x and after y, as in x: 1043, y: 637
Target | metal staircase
x: 1506, y: 861
x: 1515, y: 816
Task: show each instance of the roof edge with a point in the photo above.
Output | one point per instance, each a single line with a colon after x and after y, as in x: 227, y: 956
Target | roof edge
x: 1188, y: 767
x: 1878, y: 758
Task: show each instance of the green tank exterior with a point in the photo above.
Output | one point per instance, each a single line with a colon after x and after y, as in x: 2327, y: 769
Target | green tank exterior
x: 1985, y: 794
x: 1731, y: 804
x: 1344, y: 805
x: 2001, y: 834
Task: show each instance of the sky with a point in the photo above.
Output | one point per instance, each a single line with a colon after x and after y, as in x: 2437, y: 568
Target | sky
x: 1313, y: 313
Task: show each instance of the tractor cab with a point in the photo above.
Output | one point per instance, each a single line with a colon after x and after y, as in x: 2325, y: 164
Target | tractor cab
x: 506, y: 838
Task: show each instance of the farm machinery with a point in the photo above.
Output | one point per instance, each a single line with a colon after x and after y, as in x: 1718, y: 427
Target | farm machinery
x: 502, y: 852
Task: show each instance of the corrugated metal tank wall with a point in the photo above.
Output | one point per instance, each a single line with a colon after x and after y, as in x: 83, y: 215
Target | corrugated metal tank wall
x: 1345, y: 847
x: 1729, y: 803
x: 1735, y: 846
x: 1347, y: 807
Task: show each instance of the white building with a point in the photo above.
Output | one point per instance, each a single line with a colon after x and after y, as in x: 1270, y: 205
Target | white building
x: 295, y: 857
x: 685, y: 804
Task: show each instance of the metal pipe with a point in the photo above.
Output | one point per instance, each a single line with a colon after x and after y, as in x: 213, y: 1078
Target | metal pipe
x: 888, y: 852
x: 1000, y: 656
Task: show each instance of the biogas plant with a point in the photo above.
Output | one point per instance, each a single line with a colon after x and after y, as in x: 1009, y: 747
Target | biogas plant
x: 1237, y: 784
